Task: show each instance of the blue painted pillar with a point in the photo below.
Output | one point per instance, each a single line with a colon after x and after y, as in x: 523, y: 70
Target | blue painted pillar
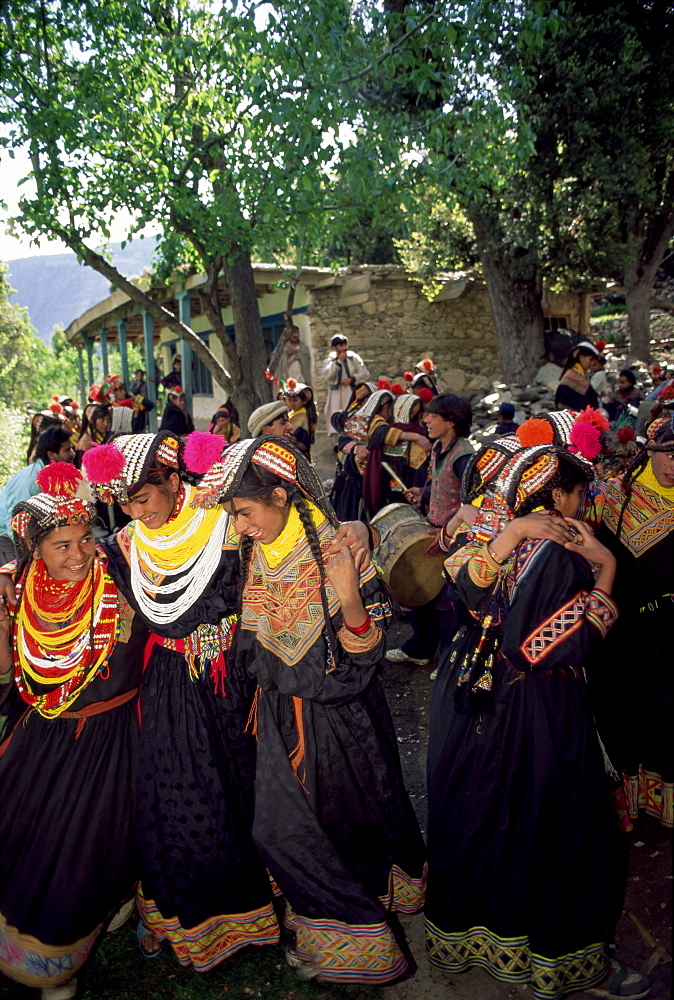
x: 103, y: 334
x: 89, y: 345
x: 121, y: 334
x: 83, y: 384
x: 148, y: 336
x: 186, y: 353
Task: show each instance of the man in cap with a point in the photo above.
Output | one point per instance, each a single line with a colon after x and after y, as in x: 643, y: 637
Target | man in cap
x: 270, y: 418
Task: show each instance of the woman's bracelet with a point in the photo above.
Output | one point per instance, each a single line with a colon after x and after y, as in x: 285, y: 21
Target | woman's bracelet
x: 360, y: 629
x: 490, y: 553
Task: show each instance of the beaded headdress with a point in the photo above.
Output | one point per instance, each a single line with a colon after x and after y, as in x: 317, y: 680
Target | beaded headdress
x: 655, y: 430
x: 65, y: 499
x: 484, y: 466
x: 424, y: 381
x: 532, y: 469
x: 276, y: 454
x: 403, y: 407
x: 117, y: 469
x: 295, y: 388
x: 371, y: 404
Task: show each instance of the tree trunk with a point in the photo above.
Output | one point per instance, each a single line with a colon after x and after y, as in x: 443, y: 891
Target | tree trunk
x: 515, y: 293
x: 639, y: 278
x: 253, y: 389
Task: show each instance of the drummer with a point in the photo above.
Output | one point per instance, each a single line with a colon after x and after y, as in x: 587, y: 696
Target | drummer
x: 448, y: 419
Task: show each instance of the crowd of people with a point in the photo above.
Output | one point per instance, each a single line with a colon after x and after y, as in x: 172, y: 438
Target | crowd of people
x: 192, y: 716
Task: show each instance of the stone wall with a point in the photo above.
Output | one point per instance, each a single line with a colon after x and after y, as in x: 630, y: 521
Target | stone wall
x: 392, y: 326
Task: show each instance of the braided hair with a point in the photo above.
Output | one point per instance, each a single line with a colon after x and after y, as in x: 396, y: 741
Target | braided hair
x: 261, y: 483
x: 663, y: 440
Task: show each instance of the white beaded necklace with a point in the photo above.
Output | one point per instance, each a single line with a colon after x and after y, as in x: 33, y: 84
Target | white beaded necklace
x: 193, y: 575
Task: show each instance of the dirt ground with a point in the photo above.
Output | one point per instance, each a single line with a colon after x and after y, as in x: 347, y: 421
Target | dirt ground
x: 649, y: 889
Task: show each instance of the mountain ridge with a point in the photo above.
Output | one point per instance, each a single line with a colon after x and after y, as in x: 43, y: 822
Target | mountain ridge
x: 56, y: 288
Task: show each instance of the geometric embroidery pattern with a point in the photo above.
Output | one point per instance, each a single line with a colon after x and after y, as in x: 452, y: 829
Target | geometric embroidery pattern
x: 646, y: 520
x: 405, y: 894
x: 350, y: 953
x: 33, y: 963
x: 596, y: 606
x: 556, y: 629
x: 213, y: 940
x: 511, y: 960
x: 283, y: 605
x: 647, y: 791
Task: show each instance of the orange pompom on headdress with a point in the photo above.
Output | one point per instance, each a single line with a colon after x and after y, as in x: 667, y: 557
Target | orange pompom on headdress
x: 534, y: 431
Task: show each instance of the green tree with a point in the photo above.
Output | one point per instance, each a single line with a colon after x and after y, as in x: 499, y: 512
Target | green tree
x: 221, y: 124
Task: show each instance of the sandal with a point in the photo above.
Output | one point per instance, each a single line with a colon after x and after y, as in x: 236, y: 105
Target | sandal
x: 623, y: 984
x: 141, y: 932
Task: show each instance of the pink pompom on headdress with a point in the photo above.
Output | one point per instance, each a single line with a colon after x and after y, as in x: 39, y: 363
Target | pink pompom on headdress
x: 593, y: 417
x: 59, y: 479
x: 585, y: 439
x: 103, y: 463
x: 202, y: 450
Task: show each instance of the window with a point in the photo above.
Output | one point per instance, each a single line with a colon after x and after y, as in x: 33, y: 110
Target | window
x: 202, y: 383
x: 551, y: 323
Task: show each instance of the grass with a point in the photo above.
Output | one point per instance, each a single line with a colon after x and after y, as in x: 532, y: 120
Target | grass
x: 118, y: 972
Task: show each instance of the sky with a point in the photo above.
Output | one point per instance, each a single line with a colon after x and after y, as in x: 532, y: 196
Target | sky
x: 16, y: 247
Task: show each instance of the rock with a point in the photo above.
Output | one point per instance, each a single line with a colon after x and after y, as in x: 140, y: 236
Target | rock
x: 548, y: 374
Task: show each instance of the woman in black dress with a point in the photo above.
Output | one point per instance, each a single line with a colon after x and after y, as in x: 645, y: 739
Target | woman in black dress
x: 524, y: 856
x: 333, y: 821
x: 73, y: 663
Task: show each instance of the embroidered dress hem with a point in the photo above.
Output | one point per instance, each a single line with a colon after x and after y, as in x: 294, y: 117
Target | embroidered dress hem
x: 348, y: 953
x: 29, y: 961
x: 214, y: 940
x: 511, y: 960
x: 647, y: 792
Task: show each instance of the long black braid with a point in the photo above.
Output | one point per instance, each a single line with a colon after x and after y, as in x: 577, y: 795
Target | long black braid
x: 302, y: 507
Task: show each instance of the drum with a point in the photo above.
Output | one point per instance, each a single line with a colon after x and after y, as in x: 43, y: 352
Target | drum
x: 414, y: 578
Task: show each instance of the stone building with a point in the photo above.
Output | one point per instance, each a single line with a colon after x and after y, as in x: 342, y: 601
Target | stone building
x: 382, y: 311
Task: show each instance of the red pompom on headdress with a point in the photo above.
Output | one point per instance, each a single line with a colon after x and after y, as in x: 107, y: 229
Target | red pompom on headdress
x: 384, y: 383
x: 94, y: 392
x: 656, y: 369
x: 397, y: 389
x: 74, y: 405
x: 55, y: 408
x: 59, y: 479
x: 291, y: 384
x: 408, y: 376
x: 667, y: 392
x: 426, y: 395
x: 535, y: 431
x: 427, y: 365
x: 103, y: 463
x: 600, y: 345
x: 55, y: 398
x: 626, y: 434
x: 593, y: 417
x: 585, y: 438
x: 202, y: 450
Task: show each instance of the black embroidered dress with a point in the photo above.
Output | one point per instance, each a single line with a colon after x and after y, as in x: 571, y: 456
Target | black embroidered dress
x: 204, y: 887
x: 333, y: 821
x: 522, y: 845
